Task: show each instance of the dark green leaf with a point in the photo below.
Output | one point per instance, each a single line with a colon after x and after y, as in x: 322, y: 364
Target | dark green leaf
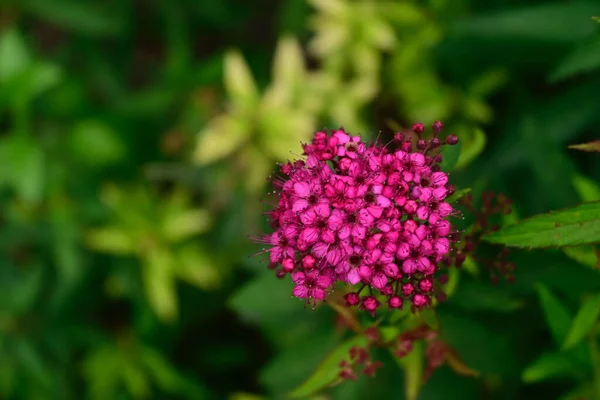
x: 583, y: 322
x: 547, y: 366
x: 572, y: 226
x: 583, y: 59
x: 557, y: 315
x: 458, y: 195
x: 450, y: 156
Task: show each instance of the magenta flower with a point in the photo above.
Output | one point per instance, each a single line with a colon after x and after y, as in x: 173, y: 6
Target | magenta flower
x: 365, y: 215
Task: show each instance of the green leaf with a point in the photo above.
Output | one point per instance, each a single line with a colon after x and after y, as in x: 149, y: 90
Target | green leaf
x: 181, y: 224
x: 450, y: 156
x: 428, y: 316
x: 584, y: 58
x: 471, y: 149
x: 221, y: 137
x: 587, y: 188
x: 548, y: 365
x: 597, y: 19
x: 590, y: 146
x: 328, y: 372
x: 14, y: 55
x: 22, y: 167
x: 583, y: 322
x: 556, y: 313
x: 198, y: 267
x: 111, y: 240
x: 458, y: 195
x: 96, y: 144
x: 474, y: 296
x: 159, y: 284
x: 239, y: 81
x: 585, y: 255
x: 572, y: 226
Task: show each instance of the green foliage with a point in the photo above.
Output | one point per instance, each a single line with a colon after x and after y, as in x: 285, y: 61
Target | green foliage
x: 578, y: 225
x: 135, y: 140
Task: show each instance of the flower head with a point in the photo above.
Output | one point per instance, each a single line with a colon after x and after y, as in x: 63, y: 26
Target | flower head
x: 365, y: 215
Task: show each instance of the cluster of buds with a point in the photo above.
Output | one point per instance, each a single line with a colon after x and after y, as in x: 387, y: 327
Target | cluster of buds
x: 359, y: 360
x: 436, y: 350
x: 492, y: 206
x: 367, y: 215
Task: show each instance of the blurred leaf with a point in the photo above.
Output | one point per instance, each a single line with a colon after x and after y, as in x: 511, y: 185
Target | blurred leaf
x: 556, y: 314
x: 77, y: 16
x: 458, y: 195
x: 283, y: 131
x: 221, y: 137
x: 583, y: 391
x: 239, y: 81
x: 111, y: 240
x: 94, y: 143
x: 412, y: 365
x: 22, y: 167
x: 185, y: 223
x: 14, y: 55
x: 587, y: 189
x: 453, y: 281
x: 328, y: 372
x: 32, y: 362
x: 458, y: 366
x: 586, y: 255
x: 551, y: 22
x: 20, y: 296
x: 134, y: 378
x: 198, y: 267
x: 548, y: 365
x: 597, y: 19
x: 288, y: 68
x: 159, y: 284
x: 584, y: 58
x: 471, y: 149
x: 572, y: 226
x: 450, y: 156
x: 591, y: 146
x: 584, y: 321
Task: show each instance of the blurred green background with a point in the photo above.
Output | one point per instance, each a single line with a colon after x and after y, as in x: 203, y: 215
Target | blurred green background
x: 135, y: 139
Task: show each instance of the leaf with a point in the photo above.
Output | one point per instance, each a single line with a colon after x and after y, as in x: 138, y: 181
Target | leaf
x: 450, y: 156
x: 288, y: 66
x: 556, y: 313
x: 159, y: 284
x: 474, y: 296
x: 471, y: 149
x: 593, y: 146
x: 584, y: 321
x: 198, y: 267
x: 96, y: 144
x: 328, y: 372
x: 182, y: 224
x: 587, y: 189
x: 22, y: 167
x: 14, y: 55
x: 584, y: 58
x: 586, y: 255
x: 458, y: 195
x: 221, y: 137
x: 572, y: 226
x: 239, y: 81
x: 547, y: 366
x: 111, y: 240
x: 458, y: 366
x: 597, y: 19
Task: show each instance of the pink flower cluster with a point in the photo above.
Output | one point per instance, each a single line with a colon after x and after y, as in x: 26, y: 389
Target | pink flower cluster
x: 364, y: 215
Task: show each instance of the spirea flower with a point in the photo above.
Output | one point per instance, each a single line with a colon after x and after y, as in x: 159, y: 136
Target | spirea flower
x: 367, y: 215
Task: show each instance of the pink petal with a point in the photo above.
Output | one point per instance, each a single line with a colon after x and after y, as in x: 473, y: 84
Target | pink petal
x: 353, y: 276
x: 300, y: 291
x: 302, y: 189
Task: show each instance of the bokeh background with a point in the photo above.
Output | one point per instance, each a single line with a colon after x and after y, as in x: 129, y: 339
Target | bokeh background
x: 135, y: 139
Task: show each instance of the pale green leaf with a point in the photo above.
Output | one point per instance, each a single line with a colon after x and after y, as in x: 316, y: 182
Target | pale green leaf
x: 96, y: 144
x: 288, y: 64
x: 159, y: 284
x: 239, y: 81
x: 593, y: 146
x: 413, y: 364
x: 572, y: 226
x: 181, y: 224
x: 327, y: 373
x: 111, y: 240
x: 282, y: 132
x: 584, y: 321
x: 221, y: 137
x: 198, y: 267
